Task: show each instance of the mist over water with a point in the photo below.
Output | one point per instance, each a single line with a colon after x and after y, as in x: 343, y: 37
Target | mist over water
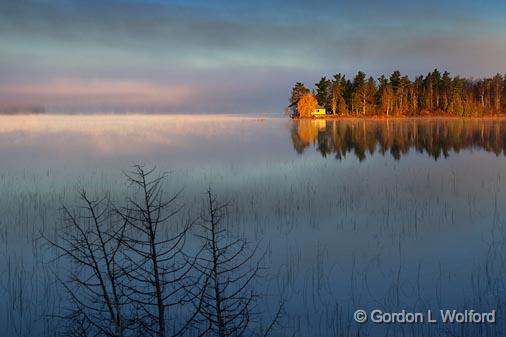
x: 366, y: 214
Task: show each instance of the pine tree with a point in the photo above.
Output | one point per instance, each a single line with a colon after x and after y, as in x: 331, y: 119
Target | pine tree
x: 324, y: 93
x: 370, y: 94
x: 386, y: 94
x: 298, y: 91
x: 446, y: 83
x: 338, y: 104
x: 456, y: 106
x: 497, y: 91
x: 359, y: 93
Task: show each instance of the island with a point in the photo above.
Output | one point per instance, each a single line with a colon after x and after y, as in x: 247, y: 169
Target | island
x: 436, y: 94
x: 20, y: 109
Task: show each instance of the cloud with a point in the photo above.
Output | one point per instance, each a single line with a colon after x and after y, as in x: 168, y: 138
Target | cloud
x: 71, y: 93
x: 232, y: 55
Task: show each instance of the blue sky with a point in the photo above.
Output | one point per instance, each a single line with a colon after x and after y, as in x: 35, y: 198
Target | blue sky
x: 230, y: 56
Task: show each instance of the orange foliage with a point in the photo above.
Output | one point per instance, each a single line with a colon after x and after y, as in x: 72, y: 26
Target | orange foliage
x: 308, y: 130
x: 307, y: 104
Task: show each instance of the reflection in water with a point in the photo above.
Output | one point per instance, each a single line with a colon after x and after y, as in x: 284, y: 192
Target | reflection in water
x: 435, y: 137
x: 414, y: 235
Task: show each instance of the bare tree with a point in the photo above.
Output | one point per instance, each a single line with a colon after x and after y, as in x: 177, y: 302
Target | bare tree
x: 130, y: 274
x: 126, y: 264
x: 90, y: 241
x: 229, y: 268
x: 156, y: 266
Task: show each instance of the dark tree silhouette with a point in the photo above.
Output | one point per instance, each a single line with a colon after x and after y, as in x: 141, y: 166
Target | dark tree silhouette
x: 127, y: 266
x: 130, y: 274
x: 91, y: 242
x: 228, y: 306
x: 156, y: 266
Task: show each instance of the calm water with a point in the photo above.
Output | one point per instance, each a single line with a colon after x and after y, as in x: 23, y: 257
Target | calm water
x: 387, y: 215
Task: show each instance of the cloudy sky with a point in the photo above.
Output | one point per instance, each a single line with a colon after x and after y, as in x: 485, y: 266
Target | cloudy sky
x: 205, y: 56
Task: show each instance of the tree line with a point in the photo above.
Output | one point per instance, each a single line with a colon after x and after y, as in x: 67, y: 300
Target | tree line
x: 436, y: 93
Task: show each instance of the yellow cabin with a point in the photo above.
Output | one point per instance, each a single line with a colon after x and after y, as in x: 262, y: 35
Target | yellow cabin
x: 319, y: 112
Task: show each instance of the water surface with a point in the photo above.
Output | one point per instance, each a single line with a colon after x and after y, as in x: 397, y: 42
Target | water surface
x: 389, y: 214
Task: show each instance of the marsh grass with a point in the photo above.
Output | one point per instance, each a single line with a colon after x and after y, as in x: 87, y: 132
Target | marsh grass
x: 411, y: 234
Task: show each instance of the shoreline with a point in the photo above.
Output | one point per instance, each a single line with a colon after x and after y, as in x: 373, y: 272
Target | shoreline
x: 385, y: 118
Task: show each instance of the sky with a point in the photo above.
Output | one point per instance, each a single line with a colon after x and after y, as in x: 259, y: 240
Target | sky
x: 203, y: 56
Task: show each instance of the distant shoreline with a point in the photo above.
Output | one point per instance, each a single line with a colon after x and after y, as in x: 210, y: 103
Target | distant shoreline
x: 21, y: 113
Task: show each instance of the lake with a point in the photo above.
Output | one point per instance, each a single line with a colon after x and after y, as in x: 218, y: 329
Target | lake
x: 398, y: 214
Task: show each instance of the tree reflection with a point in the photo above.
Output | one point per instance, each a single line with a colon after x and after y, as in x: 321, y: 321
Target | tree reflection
x: 436, y: 137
